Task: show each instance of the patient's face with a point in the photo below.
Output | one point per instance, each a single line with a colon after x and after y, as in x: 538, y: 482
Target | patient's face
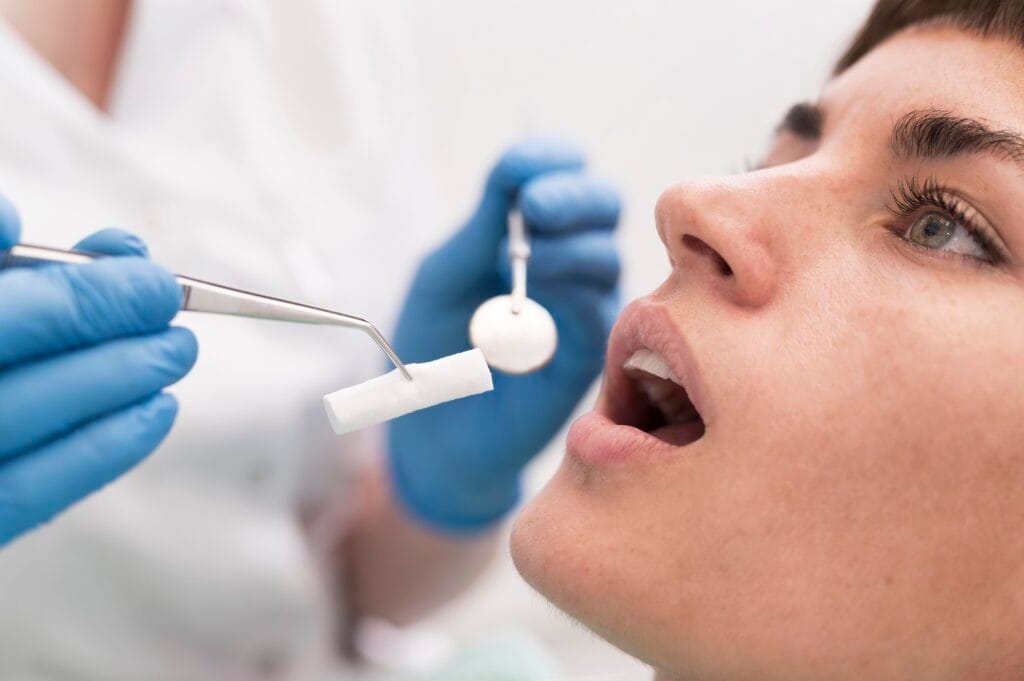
x: 848, y: 322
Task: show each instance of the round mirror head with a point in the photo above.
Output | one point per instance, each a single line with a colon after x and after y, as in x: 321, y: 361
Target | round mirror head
x: 514, y: 343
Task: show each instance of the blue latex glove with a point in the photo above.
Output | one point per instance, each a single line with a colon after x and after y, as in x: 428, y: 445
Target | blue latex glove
x: 457, y: 465
x: 84, y: 352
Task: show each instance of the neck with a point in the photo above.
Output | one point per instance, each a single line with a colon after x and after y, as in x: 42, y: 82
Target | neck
x: 81, y: 39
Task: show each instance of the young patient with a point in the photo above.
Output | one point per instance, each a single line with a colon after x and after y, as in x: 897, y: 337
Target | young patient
x: 831, y: 485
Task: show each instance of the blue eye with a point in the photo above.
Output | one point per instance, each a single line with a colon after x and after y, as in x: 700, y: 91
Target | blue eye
x: 932, y: 230
x: 941, y: 233
x: 941, y: 220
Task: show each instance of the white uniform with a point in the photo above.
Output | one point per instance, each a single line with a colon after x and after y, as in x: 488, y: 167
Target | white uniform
x: 261, y: 144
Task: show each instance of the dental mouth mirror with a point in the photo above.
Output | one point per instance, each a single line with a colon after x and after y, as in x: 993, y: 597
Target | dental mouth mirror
x: 516, y: 334
x: 202, y: 296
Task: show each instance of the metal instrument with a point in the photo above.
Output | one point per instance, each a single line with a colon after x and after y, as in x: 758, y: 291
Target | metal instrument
x: 203, y: 296
x: 519, y: 255
x: 516, y: 334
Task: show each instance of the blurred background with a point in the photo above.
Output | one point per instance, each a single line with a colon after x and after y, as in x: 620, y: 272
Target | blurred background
x: 656, y: 90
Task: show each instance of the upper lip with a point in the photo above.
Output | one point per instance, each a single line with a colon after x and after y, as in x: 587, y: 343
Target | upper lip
x: 646, y: 324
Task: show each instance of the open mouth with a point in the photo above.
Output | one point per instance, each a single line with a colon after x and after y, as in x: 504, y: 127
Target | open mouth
x: 655, y: 401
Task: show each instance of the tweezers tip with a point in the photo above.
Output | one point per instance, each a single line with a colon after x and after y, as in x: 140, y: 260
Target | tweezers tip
x: 383, y: 344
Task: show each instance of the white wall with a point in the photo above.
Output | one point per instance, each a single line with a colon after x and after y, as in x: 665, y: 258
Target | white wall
x: 657, y: 91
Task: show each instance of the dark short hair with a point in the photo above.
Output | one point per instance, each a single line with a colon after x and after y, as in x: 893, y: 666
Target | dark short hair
x: 982, y: 17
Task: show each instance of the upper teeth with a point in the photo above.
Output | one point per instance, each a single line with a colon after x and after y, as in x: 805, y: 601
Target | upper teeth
x: 662, y: 387
x: 652, y: 363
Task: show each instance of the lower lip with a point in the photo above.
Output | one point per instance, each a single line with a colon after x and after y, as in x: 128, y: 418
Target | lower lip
x: 596, y: 440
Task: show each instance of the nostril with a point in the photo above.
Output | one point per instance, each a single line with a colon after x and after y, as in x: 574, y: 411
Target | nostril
x: 701, y: 248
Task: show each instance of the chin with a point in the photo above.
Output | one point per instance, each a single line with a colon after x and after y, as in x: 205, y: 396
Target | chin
x: 559, y: 552
x: 549, y: 545
x: 537, y: 545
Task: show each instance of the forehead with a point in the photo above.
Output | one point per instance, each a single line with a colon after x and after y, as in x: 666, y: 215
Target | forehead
x: 933, y: 67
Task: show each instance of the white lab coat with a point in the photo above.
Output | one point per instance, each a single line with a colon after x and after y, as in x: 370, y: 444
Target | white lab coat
x: 263, y: 144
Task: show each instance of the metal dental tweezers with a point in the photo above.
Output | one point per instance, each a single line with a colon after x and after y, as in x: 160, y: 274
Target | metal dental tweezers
x: 202, y: 296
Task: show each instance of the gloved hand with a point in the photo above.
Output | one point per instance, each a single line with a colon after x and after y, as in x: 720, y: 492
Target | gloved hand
x: 85, y: 351
x: 457, y: 465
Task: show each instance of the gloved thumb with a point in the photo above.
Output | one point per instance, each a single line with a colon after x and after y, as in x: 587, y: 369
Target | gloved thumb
x: 469, y: 256
x: 10, y: 224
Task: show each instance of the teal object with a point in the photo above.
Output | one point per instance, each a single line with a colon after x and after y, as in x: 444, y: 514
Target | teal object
x: 504, y: 657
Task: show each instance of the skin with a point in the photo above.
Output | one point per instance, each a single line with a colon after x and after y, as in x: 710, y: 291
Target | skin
x: 82, y: 40
x: 393, y: 566
x: 854, y: 508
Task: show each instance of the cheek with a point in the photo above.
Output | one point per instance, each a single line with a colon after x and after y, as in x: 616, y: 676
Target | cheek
x: 888, y: 380
x: 901, y: 366
x: 879, y: 463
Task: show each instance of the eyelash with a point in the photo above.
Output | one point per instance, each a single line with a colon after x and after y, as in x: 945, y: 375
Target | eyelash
x: 910, y: 196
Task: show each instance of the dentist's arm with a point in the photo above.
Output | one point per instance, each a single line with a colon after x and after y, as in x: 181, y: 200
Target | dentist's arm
x: 400, y: 569
x: 85, y: 352
x: 452, y: 471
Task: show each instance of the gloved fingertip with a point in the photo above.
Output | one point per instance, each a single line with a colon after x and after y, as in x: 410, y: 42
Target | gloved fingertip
x: 156, y: 287
x: 114, y: 242
x: 160, y: 409
x: 568, y: 201
x: 534, y: 156
x: 182, y: 348
x: 114, y: 297
x: 10, y: 223
x: 581, y: 259
x: 517, y: 166
x: 140, y: 428
x: 137, y: 431
x: 151, y: 421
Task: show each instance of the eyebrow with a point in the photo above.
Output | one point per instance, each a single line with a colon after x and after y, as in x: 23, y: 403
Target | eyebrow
x: 803, y: 120
x: 924, y: 134
x: 935, y: 134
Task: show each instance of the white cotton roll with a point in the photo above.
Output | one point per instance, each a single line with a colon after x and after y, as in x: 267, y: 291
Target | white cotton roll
x: 392, y: 395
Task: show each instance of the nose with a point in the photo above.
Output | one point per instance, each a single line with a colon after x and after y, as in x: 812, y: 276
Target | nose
x: 717, y: 231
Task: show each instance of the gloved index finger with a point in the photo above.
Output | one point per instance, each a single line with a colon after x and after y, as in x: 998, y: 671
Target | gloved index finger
x: 562, y: 203
x: 522, y: 163
x: 54, y: 309
x: 469, y: 255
